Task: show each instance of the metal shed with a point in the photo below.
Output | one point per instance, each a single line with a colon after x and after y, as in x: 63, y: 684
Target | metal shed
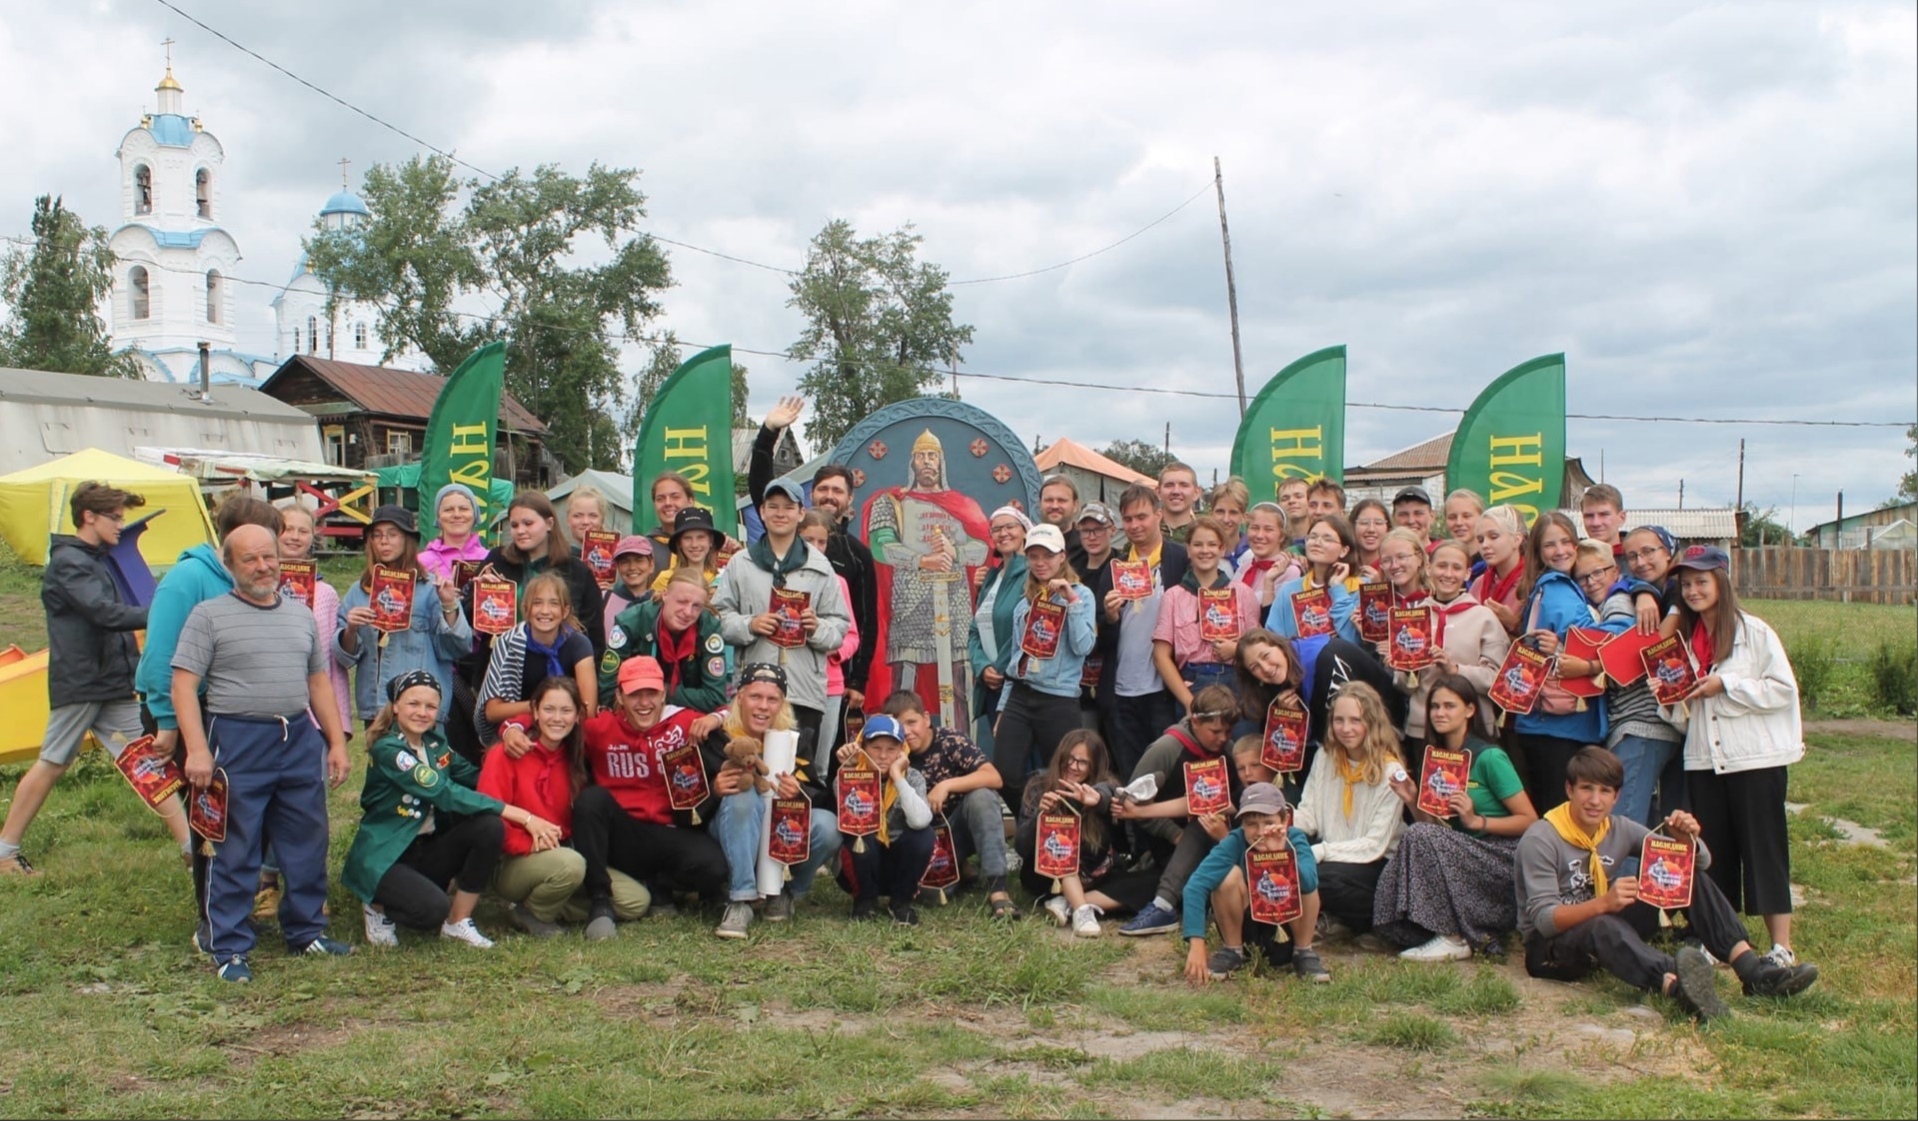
x: 44, y: 416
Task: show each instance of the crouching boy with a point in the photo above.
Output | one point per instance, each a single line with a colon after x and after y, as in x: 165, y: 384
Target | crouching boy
x: 894, y: 865
x: 1265, y: 823
x: 1578, y: 901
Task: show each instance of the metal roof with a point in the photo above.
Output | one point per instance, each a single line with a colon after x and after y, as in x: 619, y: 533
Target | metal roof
x: 236, y: 402
x: 1707, y: 524
x: 396, y: 393
x: 171, y: 130
x: 343, y: 202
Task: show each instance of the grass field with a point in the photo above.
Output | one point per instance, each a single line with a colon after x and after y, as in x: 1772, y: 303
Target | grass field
x: 108, y: 1012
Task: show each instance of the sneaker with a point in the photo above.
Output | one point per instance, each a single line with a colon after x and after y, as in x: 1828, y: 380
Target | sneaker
x: 1782, y: 956
x: 327, y: 947
x: 863, y: 909
x: 1697, y: 990
x: 663, y: 908
x: 736, y: 920
x: 1085, y: 922
x: 779, y: 908
x: 1059, y: 909
x: 1773, y: 979
x: 1442, y: 947
x: 600, y: 922
x: 1330, y: 927
x: 533, y: 924
x: 16, y: 865
x: 904, y: 914
x: 1014, y: 862
x: 1224, y: 963
x: 1153, y: 920
x: 235, y: 970
x: 380, y: 930
x: 1306, y: 963
x: 465, y: 931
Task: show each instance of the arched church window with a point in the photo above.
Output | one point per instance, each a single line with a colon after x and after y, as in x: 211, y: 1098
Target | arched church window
x: 215, y: 295
x: 329, y: 340
x: 359, y: 335
x: 312, y: 335
x: 142, y: 189
x: 142, y: 296
x: 203, y: 192
x: 296, y: 340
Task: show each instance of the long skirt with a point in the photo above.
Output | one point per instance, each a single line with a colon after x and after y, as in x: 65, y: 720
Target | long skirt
x: 1442, y: 881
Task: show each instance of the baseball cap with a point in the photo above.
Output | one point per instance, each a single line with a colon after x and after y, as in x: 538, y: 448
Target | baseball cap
x: 1412, y: 494
x: 1704, y: 558
x: 1046, y: 536
x: 884, y: 726
x: 1262, y: 798
x: 639, y: 673
x: 788, y: 488
x: 1097, y: 512
x: 398, y: 516
x: 632, y: 545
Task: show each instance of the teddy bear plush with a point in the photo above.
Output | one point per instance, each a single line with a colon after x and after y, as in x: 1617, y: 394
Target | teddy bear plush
x: 743, y: 754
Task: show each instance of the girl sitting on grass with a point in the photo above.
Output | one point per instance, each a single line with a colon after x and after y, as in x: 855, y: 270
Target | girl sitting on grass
x: 423, y: 826
x: 1349, y: 806
x: 1079, y: 779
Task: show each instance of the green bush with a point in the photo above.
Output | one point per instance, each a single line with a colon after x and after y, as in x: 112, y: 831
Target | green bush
x: 1814, y: 661
x: 1894, y: 676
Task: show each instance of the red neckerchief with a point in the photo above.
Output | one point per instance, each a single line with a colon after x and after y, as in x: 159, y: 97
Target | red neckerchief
x: 1445, y: 611
x: 1250, y: 577
x: 1495, y: 588
x: 1702, y: 652
x: 674, y: 650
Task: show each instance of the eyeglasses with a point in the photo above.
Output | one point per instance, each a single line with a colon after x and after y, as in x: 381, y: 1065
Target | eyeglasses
x: 1074, y: 763
x: 1001, y: 529
x: 1596, y: 573
x: 1646, y: 553
x: 1323, y: 539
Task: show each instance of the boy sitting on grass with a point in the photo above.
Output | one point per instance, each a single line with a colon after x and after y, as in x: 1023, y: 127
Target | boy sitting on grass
x: 1265, y: 821
x: 893, y: 866
x: 1578, y: 901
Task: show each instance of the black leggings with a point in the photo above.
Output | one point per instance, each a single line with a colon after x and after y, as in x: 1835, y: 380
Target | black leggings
x: 1032, y: 725
x: 609, y: 837
x: 1346, y: 892
x: 1547, y: 756
x: 413, y: 890
x: 1616, y: 943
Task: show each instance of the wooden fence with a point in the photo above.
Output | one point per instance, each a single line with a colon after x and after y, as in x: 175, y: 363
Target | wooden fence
x: 1845, y: 575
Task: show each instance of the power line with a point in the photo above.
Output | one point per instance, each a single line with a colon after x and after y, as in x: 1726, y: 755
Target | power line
x: 437, y: 150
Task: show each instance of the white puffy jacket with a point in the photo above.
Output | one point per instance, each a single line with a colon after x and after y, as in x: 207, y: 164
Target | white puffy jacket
x: 1754, y: 723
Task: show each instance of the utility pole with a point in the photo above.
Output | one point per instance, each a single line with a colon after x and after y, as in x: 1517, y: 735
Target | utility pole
x: 1741, y: 474
x: 1168, y: 444
x: 952, y: 356
x: 1231, y: 287
x: 1681, y: 494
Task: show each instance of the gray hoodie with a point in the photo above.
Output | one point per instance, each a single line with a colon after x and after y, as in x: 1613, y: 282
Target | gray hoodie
x: 1551, y: 873
x: 745, y: 590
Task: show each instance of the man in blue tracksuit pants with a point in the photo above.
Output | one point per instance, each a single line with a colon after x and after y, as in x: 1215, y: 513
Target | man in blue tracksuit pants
x: 265, y: 679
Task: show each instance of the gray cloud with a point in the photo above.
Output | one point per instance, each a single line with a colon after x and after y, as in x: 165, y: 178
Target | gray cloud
x: 1709, y: 208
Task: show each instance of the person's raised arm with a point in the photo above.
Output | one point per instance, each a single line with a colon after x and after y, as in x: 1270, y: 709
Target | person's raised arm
x: 759, y: 470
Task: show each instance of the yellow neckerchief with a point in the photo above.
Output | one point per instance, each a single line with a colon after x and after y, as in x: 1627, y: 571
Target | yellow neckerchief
x: 1351, y: 774
x: 1152, y: 559
x: 1572, y: 833
x: 888, y: 794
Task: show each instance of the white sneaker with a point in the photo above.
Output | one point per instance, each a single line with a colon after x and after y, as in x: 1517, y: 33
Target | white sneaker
x: 465, y: 931
x: 1782, y: 956
x: 1059, y: 909
x: 1085, y: 922
x: 380, y: 930
x: 1442, y: 947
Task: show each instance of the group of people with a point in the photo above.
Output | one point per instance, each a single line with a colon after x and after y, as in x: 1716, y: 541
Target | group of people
x: 602, y: 754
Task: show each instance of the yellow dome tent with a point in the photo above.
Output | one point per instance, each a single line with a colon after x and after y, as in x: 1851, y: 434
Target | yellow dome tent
x: 34, y: 505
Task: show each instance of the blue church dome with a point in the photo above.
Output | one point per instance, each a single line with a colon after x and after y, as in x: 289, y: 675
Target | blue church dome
x: 344, y: 202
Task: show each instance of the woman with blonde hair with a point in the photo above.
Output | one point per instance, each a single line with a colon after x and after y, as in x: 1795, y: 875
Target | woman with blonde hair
x: 1349, y: 808
x: 1467, y: 637
x: 1501, y: 547
x: 1229, y: 502
x: 585, y: 513
x: 436, y: 635
x: 1463, y: 508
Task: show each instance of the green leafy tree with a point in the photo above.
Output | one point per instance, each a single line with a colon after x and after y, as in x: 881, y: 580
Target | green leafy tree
x: 1908, y: 486
x: 1147, y: 459
x: 878, y: 322
x: 54, y: 288
x: 514, y: 244
x: 1761, y: 527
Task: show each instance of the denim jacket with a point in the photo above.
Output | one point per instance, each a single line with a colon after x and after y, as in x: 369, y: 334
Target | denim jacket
x: 1057, y: 676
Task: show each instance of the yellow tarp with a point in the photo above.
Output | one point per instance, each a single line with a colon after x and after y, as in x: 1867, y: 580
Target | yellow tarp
x: 23, y: 697
x: 34, y: 505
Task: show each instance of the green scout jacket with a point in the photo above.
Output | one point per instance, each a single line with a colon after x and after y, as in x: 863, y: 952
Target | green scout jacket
x: 400, y: 784
x: 702, y: 677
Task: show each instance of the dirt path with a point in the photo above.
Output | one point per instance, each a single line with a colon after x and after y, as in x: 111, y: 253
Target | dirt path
x: 1906, y: 730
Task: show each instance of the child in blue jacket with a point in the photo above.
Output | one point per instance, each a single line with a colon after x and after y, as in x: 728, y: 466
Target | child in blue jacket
x: 1220, y: 883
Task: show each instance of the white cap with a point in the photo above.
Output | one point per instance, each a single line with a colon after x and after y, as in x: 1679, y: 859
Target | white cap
x: 1046, y: 536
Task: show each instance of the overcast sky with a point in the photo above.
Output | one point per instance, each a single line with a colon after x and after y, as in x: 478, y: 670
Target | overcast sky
x: 1712, y: 209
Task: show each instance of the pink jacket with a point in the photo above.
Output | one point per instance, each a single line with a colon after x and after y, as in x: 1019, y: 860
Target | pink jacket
x: 835, y: 661
x: 438, y: 558
x: 326, y: 608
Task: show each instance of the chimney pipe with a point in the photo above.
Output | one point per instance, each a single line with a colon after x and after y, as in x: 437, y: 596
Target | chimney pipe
x: 206, y: 371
